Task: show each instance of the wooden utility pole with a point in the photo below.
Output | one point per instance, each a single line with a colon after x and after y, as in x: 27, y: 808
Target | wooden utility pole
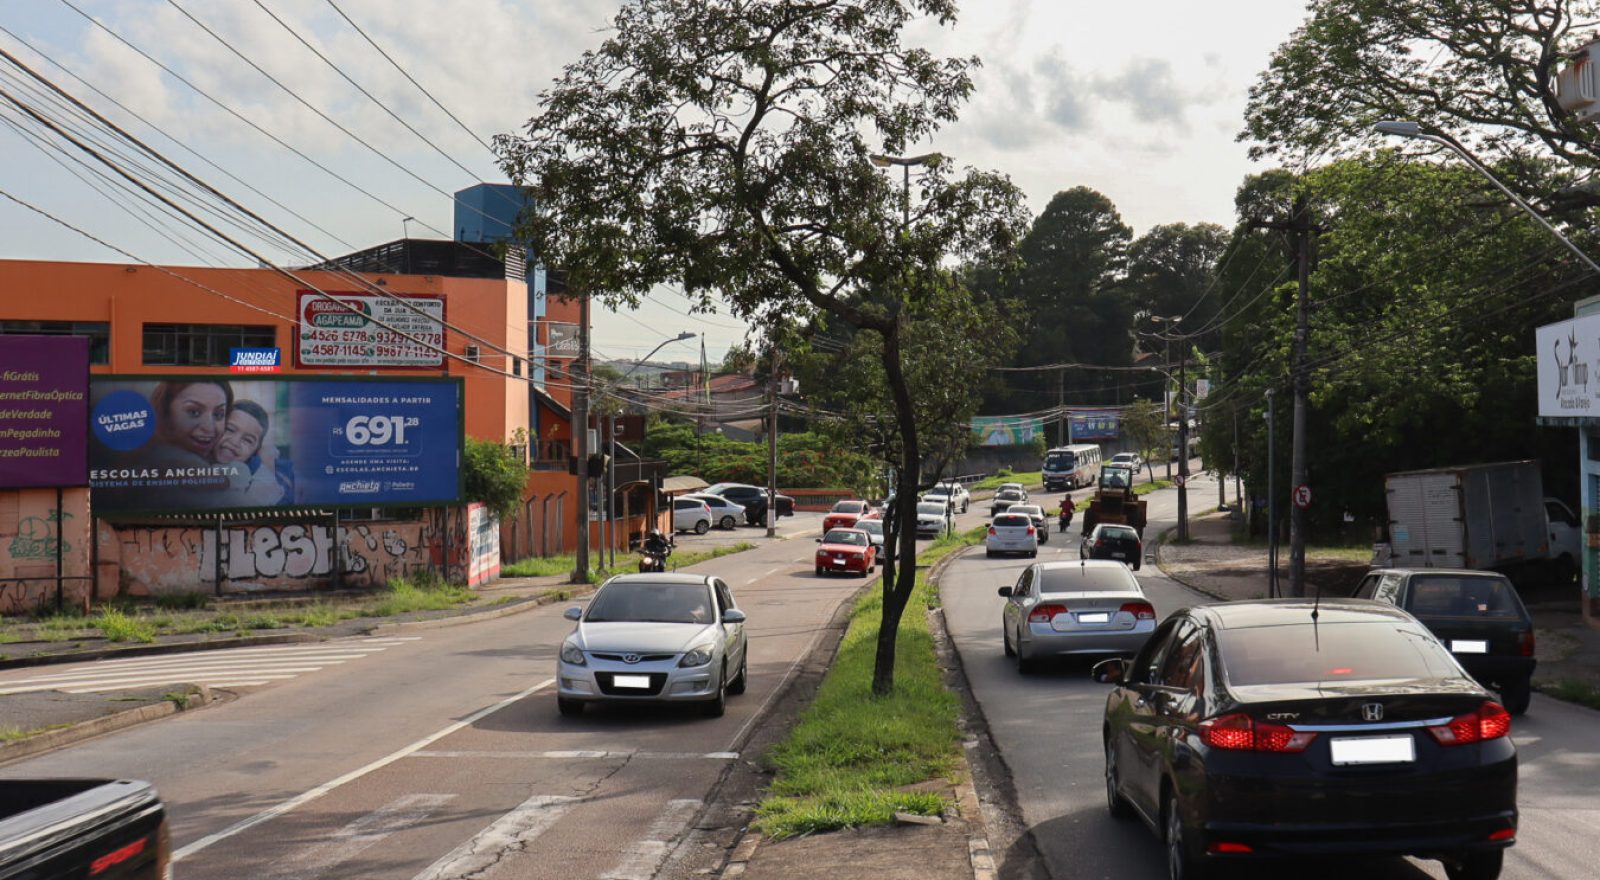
x: 772, y: 442
x: 580, y: 440
x: 1297, y: 466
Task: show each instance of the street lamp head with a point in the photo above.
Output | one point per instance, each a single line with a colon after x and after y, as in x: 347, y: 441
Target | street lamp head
x: 685, y: 335
x: 1399, y: 128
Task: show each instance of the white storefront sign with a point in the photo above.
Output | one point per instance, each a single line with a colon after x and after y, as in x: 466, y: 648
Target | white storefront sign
x: 334, y: 336
x: 1568, y: 354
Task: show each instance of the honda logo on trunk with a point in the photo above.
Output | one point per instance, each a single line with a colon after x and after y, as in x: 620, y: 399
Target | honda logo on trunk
x: 1372, y: 711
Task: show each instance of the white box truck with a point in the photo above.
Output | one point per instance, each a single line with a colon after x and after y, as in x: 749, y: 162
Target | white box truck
x: 1480, y: 516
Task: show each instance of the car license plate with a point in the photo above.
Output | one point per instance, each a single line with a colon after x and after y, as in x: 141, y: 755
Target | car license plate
x: 838, y: 560
x: 1373, y: 750
x: 1119, y: 556
x: 1469, y: 646
x: 1099, y: 617
x: 631, y: 681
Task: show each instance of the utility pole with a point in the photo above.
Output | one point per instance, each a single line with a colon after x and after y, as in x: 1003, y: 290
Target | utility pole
x: 1298, y: 477
x: 580, y: 440
x: 1238, y: 493
x: 1183, y: 448
x: 611, y: 494
x: 1272, y: 504
x: 1166, y: 361
x: 772, y: 441
x: 1061, y: 406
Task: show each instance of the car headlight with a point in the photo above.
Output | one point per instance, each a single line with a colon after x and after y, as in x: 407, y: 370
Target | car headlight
x: 699, y: 655
x: 571, y: 653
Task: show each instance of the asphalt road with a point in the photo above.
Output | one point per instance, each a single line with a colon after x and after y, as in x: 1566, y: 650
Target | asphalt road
x: 1047, y: 728
x: 443, y: 755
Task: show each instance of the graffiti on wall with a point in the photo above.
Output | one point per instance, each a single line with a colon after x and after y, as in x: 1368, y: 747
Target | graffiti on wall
x: 35, y: 529
x: 39, y: 537
x: 150, y: 560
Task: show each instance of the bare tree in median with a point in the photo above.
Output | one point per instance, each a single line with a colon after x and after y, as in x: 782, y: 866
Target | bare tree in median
x: 725, y: 146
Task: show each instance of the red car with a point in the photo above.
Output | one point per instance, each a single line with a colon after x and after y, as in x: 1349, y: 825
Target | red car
x: 844, y: 514
x: 847, y: 550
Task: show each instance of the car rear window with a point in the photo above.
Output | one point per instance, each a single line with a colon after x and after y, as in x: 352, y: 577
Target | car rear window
x: 1087, y: 579
x: 1439, y: 595
x: 643, y: 602
x: 1119, y: 532
x: 1310, y: 653
x: 840, y: 536
x: 1011, y: 520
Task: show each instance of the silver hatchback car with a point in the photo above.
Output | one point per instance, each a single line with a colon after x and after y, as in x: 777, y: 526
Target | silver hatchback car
x: 654, y: 638
x: 1088, y: 607
x: 1011, y: 533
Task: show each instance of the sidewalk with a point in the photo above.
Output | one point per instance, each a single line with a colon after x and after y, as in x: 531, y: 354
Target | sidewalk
x: 1568, y: 649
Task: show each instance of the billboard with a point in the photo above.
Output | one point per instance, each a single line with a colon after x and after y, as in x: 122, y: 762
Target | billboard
x: 563, y: 340
x: 1006, y: 430
x: 333, y: 336
x: 1568, y: 354
x: 1088, y: 426
x: 183, y: 444
x: 44, y: 408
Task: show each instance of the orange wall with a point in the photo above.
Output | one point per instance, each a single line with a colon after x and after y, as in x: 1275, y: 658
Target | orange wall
x: 128, y: 296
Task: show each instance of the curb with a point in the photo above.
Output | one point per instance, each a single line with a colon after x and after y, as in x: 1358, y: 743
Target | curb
x: 199, y: 698
x: 1161, y: 542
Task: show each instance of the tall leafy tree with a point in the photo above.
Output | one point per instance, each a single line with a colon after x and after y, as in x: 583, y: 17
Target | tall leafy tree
x: 1172, y: 268
x: 726, y: 146
x: 1483, y: 68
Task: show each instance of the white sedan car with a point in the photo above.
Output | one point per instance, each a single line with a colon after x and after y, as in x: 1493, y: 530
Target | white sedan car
x: 652, y: 638
x: 1012, y: 533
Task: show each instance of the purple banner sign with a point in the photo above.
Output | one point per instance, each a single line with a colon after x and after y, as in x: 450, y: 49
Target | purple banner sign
x: 44, y: 411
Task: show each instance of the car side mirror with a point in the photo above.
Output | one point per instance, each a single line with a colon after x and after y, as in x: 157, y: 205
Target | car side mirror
x: 733, y: 615
x: 1109, y: 671
x: 819, y: 540
x: 573, y: 614
x: 1004, y: 591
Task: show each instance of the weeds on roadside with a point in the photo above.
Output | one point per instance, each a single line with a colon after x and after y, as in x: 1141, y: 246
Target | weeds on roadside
x: 1571, y: 691
x: 116, y: 626
x: 427, y: 592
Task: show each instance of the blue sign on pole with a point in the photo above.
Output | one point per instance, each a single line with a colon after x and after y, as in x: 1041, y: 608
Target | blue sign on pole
x: 210, y: 443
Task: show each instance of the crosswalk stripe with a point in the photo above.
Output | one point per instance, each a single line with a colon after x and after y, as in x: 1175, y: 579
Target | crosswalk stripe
x: 641, y: 858
x: 106, y: 669
x: 111, y: 684
x: 577, y: 755
x: 255, y: 665
x: 516, y: 829
x: 360, y: 835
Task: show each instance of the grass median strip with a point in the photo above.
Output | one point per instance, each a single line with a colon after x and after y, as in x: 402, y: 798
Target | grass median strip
x: 852, y: 756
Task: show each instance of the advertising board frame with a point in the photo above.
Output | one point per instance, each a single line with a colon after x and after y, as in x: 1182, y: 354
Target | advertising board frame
x: 126, y: 514
x: 312, y: 295
x: 83, y: 427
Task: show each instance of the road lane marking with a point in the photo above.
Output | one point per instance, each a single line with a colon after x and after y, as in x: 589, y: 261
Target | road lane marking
x: 641, y: 858
x: 567, y: 755
x: 311, y: 795
x: 106, y: 669
x: 516, y: 829
x: 319, y: 859
x: 124, y: 682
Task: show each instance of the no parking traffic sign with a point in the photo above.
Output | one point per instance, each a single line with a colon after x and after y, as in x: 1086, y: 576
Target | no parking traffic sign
x: 1302, y: 496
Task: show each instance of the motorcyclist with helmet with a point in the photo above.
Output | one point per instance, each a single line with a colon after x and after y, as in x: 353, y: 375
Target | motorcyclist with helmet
x: 656, y: 549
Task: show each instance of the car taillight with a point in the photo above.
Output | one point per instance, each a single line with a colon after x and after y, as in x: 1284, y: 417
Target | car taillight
x: 1490, y: 721
x: 1140, y: 610
x: 1240, y: 732
x: 118, y: 856
x: 1045, y: 613
x: 1525, y: 644
x: 991, y: 530
x: 1099, y: 543
x: 1030, y: 530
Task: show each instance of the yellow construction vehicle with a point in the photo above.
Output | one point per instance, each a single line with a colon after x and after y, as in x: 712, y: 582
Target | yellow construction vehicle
x: 1114, y: 500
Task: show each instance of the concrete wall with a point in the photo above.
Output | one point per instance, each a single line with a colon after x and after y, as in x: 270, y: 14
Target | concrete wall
x: 152, y: 560
x: 33, y: 530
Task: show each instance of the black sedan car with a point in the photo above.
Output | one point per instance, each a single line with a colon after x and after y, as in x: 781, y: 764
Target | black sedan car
x: 1476, y: 614
x: 1281, y: 728
x: 754, y: 501
x: 1113, y: 542
x: 1004, y: 498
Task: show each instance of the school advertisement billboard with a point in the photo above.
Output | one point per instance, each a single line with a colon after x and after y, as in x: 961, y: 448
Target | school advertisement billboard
x: 44, y: 390
x: 1104, y: 425
x: 185, y: 444
x: 1006, y: 430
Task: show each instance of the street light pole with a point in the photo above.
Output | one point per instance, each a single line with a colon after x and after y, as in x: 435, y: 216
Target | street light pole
x: 1183, y: 424
x: 905, y: 163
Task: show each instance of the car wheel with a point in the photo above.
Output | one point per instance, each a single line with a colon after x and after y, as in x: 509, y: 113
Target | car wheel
x: 1025, y: 665
x: 1005, y: 637
x: 1475, y: 866
x: 702, y: 526
x: 729, y: 523
x: 737, y: 686
x: 1033, y: 554
x: 819, y: 571
x: 1181, y: 863
x: 569, y: 708
x: 1517, y: 695
x: 1116, y: 804
x: 1136, y: 565
x: 717, y: 706
x: 989, y: 553
x: 1044, y: 539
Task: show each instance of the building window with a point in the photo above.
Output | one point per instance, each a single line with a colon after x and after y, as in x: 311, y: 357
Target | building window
x: 98, y: 334
x: 201, y: 345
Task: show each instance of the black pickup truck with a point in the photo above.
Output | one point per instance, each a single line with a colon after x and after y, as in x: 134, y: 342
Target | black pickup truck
x: 54, y: 829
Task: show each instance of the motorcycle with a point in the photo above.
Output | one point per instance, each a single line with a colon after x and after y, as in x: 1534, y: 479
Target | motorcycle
x: 654, y: 561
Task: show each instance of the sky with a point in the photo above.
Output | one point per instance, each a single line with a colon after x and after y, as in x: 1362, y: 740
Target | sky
x: 1140, y: 100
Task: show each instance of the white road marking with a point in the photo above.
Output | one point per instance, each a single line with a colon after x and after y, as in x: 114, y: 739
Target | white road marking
x: 306, y: 797
x: 100, y: 669
x: 319, y: 859
x: 515, y: 829
x: 641, y: 858
x: 124, y: 682
x: 575, y: 755
x: 199, y: 667
x: 92, y: 688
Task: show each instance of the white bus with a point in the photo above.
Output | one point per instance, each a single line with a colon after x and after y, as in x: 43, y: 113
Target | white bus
x: 1068, y: 467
